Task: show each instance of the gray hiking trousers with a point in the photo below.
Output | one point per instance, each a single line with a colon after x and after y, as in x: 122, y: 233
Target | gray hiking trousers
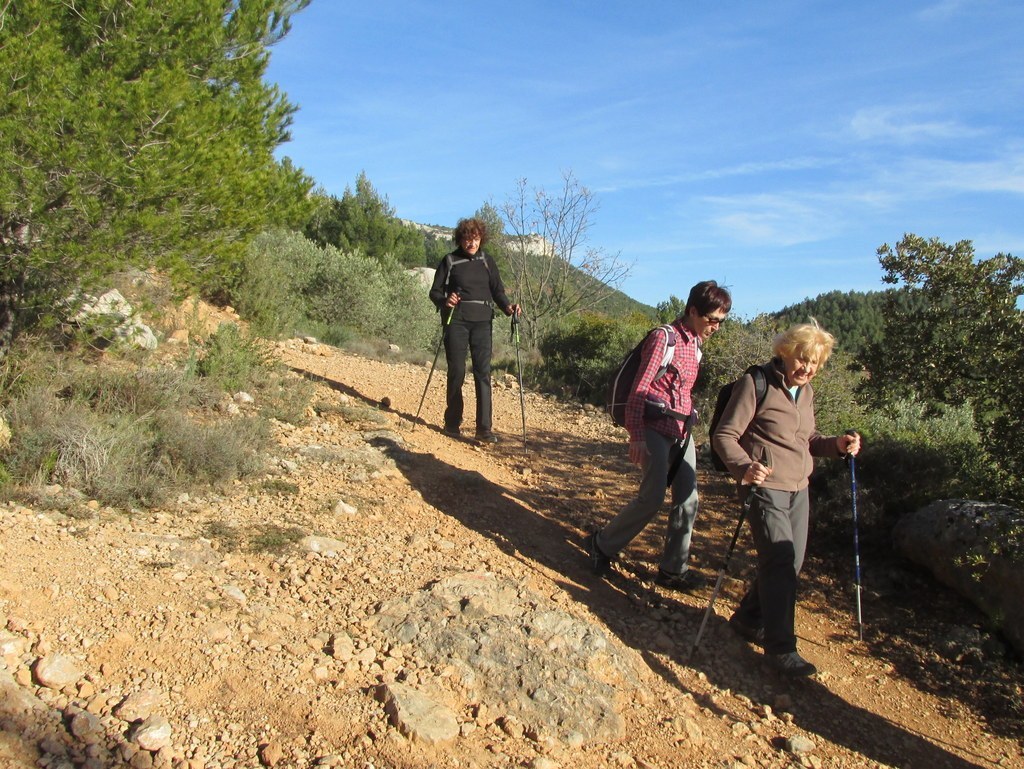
x: 778, y: 521
x: 635, y: 516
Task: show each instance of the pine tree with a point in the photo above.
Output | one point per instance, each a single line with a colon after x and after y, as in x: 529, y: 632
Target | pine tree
x: 137, y: 134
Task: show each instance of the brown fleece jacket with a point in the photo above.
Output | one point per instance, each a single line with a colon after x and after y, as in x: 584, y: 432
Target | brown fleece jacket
x: 785, y: 427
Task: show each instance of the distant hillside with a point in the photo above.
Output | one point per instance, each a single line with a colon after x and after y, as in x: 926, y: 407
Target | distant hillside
x: 856, y: 318
x: 616, y: 305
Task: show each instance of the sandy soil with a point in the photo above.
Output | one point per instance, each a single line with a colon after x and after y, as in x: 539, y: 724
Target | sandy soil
x: 166, y: 623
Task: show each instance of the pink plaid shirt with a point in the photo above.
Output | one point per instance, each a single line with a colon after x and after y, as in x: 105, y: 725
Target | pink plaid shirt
x: 673, y: 388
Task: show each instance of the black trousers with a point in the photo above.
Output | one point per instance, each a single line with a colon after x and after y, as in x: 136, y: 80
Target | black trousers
x: 474, y: 337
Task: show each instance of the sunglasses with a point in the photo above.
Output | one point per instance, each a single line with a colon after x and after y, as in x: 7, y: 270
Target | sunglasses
x: 713, y: 320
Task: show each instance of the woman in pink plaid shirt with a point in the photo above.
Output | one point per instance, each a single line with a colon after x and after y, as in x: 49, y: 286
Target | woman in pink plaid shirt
x: 658, y: 418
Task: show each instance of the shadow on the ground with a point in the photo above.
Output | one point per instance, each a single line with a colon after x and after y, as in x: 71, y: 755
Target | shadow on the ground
x: 544, y: 523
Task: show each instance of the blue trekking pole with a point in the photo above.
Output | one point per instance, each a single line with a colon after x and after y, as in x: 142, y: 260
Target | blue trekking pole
x: 437, y: 351
x: 856, y: 539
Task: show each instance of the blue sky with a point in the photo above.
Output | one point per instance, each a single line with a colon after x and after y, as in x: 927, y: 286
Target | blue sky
x: 770, y: 146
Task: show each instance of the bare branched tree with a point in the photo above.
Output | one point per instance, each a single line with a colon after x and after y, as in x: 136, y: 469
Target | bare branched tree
x: 555, y: 272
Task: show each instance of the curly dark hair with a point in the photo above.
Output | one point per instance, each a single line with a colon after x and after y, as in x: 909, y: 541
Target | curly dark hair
x: 472, y: 226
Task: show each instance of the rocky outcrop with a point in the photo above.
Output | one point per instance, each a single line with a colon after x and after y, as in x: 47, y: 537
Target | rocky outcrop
x: 113, y: 314
x: 977, y: 549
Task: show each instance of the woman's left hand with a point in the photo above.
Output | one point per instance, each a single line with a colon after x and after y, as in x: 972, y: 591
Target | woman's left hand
x: 514, y: 309
x: 848, y: 444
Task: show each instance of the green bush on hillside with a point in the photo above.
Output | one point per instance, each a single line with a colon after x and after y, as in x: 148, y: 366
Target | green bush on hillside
x: 292, y: 283
x: 582, y: 353
x: 233, y: 360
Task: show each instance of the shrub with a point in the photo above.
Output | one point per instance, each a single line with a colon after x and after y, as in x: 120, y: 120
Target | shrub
x: 233, y: 360
x: 121, y: 434
x: 911, y: 456
x: 339, y: 296
x: 277, y: 266
x: 581, y: 354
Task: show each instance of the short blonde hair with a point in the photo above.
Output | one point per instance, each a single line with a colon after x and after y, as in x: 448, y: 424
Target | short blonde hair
x: 805, y: 341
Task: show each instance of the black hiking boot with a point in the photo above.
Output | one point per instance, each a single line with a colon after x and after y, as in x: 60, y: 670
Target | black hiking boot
x: 686, y: 582
x: 452, y: 430
x: 791, y: 664
x: 600, y: 564
x: 486, y: 437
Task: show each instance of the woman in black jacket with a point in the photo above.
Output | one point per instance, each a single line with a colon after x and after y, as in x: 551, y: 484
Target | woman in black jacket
x: 466, y: 289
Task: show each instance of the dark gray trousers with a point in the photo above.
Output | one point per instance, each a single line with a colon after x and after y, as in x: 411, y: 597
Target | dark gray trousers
x: 778, y: 521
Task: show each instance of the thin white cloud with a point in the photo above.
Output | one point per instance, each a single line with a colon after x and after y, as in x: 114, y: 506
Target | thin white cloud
x: 928, y: 177
x: 942, y: 11
x: 709, y: 174
x: 772, y: 220
x: 903, y: 125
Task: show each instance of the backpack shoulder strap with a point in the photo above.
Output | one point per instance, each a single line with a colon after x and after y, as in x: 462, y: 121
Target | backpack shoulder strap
x: 760, y: 378
x: 448, y: 264
x: 670, y: 343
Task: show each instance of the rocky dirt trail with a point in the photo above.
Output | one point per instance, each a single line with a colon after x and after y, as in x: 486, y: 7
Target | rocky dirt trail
x: 431, y: 606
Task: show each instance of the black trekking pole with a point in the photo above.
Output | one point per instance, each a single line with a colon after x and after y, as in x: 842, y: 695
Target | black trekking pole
x: 856, y: 540
x: 437, y: 351
x: 767, y: 461
x: 519, y: 367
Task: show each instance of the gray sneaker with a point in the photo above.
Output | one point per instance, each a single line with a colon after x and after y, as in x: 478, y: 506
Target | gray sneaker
x: 791, y: 664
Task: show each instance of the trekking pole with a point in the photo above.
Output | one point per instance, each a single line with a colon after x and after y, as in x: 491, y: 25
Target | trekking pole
x: 519, y: 367
x: 728, y: 557
x: 856, y: 540
x: 437, y: 351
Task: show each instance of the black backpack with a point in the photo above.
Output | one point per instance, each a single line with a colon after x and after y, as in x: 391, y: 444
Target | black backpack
x: 760, y: 390
x: 625, y: 375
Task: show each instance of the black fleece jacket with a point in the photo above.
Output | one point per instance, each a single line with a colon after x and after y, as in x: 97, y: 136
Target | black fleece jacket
x: 476, y: 279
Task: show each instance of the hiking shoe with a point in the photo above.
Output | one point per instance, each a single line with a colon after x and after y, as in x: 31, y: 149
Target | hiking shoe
x: 791, y: 664
x: 487, y: 437
x: 452, y: 430
x: 600, y: 564
x: 754, y: 635
x: 686, y: 582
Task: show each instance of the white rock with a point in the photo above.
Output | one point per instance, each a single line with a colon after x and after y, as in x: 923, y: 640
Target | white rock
x: 56, y: 671
x: 342, y: 507
x: 153, y: 734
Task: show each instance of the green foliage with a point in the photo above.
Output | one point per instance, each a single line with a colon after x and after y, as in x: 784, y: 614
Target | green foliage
x: 912, y: 454
x: 364, y: 221
x: 582, y: 353
x: 371, y: 297
x: 271, y: 538
x: 136, y: 133
x: 670, y: 309
x: 962, y: 341
x: 233, y: 360
x: 339, y: 295
x: 268, y: 291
